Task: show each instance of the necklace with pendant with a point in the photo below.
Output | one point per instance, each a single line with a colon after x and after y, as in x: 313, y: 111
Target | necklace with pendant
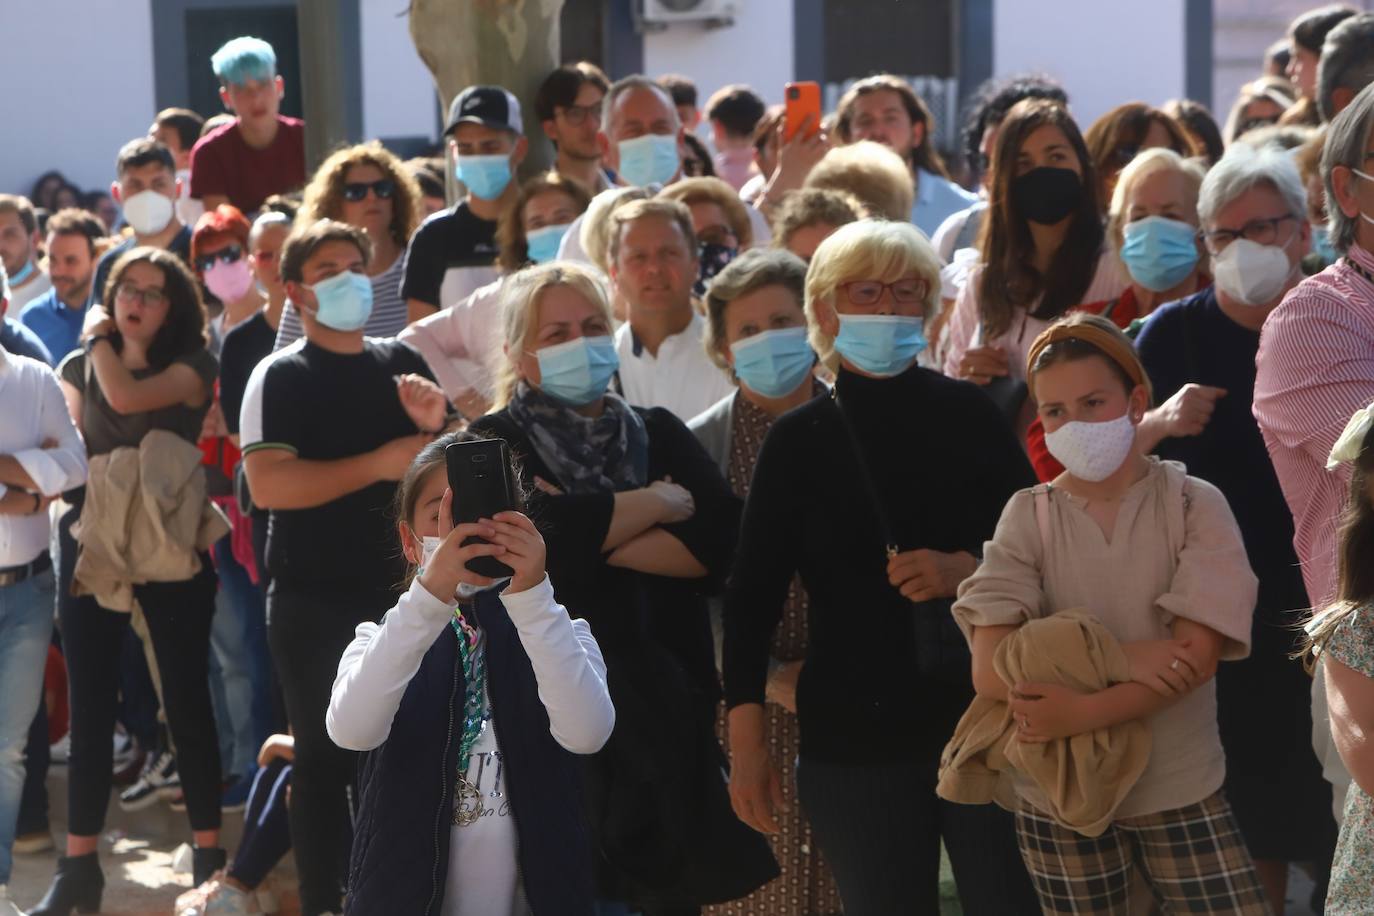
x: 467, y: 801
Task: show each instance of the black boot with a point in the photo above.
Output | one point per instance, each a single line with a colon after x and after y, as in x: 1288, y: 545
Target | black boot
x: 78, y: 885
x: 205, y: 862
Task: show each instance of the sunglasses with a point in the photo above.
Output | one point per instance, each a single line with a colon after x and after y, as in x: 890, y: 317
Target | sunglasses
x: 355, y: 191
x: 223, y: 256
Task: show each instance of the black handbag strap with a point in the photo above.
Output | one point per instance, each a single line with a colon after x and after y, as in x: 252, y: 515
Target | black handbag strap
x: 866, y: 475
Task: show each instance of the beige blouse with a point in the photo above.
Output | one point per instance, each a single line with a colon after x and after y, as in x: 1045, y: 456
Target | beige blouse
x: 1175, y: 551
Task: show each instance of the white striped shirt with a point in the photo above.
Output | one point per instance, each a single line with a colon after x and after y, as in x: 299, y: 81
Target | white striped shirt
x: 1316, y: 368
x: 388, y: 316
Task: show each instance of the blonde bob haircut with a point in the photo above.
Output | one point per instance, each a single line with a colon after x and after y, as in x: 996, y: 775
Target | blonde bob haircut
x: 1147, y: 163
x: 869, y: 249
x: 871, y: 172
x: 595, y: 234
x: 707, y: 190
x: 521, y: 293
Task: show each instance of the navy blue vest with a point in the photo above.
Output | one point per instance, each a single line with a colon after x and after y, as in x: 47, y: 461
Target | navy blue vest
x: 401, y: 840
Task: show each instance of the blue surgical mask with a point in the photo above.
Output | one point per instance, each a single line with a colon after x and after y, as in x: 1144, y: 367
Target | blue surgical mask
x: 484, y: 176
x: 1321, y: 244
x: 22, y: 274
x: 773, y: 363
x: 1159, y: 252
x: 576, y: 372
x: 344, y: 301
x: 650, y: 159
x: 542, y: 244
x: 881, y: 345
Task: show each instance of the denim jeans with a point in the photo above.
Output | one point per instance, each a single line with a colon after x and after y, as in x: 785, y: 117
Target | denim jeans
x: 25, y: 630
x: 241, y: 663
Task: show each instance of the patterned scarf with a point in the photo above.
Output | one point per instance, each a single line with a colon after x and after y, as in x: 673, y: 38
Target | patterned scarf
x: 586, y: 454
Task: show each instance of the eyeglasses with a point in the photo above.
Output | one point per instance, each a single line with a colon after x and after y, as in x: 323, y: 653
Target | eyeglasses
x: 150, y: 296
x: 870, y: 292
x: 576, y: 115
x: 355, y: 191
x: 223, y: 256
x: 1260, y: 231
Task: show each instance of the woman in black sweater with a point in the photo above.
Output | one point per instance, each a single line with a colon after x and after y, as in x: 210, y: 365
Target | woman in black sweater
x: 639, y: 526
x: 880, y: 498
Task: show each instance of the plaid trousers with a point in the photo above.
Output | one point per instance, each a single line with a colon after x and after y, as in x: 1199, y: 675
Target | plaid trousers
x: 1193, y: 859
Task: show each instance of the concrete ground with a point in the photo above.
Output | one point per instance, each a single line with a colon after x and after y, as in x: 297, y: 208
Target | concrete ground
x: 136, y: 852
x: 137, y: 849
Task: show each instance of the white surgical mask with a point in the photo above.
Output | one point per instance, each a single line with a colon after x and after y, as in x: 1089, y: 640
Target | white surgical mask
x: 1092, y: 451
x: 1251, y: 273
x: 148, y: 212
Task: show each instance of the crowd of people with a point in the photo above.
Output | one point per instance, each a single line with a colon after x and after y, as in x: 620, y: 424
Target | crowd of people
x: 864, y: 500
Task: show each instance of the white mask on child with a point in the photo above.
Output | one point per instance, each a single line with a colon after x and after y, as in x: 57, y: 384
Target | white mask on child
x: 1092, y: 451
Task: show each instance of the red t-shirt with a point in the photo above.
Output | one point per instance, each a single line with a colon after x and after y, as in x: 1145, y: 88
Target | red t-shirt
x: 222, y: 162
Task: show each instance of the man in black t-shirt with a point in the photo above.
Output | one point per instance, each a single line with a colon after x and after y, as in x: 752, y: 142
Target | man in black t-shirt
x: 454, y: 252
x: 325, y: 436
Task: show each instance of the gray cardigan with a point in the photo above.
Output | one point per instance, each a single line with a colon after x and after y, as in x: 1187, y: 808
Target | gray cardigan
x: 713, y: 428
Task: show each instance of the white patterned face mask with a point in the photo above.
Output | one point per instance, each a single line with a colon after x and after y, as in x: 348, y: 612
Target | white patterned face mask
x: 1092, y: 451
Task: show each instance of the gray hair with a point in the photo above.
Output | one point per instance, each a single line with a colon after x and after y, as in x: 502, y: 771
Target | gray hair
x: 266, y: 221
x: 1347, y: 61
x: 1245, y: 167
x: 630, y: 84
x: 1346, y: 137
x: 751, y: 271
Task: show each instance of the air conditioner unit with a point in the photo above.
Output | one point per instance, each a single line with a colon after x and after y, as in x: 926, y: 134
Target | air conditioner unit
x: 662, y: 13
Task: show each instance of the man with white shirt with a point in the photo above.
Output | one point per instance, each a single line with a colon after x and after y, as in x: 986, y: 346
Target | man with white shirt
x: 653, y: 266
x: 19, y: 243
x: 41, y: 455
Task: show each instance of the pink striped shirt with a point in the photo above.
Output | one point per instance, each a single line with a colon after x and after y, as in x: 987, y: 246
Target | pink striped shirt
x: 1315, y: 369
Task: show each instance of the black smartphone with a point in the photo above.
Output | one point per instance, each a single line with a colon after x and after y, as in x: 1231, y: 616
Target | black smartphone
x: 479, y: 476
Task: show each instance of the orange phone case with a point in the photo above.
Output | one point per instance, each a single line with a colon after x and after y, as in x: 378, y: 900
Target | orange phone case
x: 803, y: 99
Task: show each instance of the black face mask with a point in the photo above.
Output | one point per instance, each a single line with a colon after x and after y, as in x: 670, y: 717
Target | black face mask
x: 1046, y: 195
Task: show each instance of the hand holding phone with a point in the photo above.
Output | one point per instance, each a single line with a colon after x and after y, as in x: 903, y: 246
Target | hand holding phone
x: 803, y: 101
x: 459, y: 546
x: 483, y: 487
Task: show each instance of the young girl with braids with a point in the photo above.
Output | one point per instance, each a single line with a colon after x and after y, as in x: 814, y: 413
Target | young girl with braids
x: 474, y: 697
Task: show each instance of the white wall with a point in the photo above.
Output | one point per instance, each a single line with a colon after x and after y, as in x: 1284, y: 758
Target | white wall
x: 398, y: 92
x: 757, y: 51
x: 72, y: 111
x: 1105, y: 54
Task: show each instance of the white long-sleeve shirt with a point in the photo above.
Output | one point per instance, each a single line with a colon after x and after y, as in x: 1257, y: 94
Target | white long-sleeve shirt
x: 568, y: 667
x: 33, y: 410
x: 462, y: 343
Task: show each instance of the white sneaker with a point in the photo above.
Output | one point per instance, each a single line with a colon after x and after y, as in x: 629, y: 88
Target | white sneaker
x: 7, y: 906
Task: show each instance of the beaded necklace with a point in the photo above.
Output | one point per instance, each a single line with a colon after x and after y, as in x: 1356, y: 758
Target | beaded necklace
x: 1358, y: 268
x: 467, y: 801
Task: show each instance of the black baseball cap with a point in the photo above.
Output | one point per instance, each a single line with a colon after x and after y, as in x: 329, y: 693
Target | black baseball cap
x: 490, y: 106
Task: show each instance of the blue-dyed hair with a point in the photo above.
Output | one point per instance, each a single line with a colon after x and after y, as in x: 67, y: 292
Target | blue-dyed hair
x: 244, y: 59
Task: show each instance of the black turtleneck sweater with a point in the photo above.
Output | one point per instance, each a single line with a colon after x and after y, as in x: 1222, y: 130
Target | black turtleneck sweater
x: 945, y: 463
